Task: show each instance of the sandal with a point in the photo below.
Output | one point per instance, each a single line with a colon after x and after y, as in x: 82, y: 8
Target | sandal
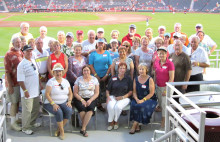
x: 139, y: 129
x: 57, y: 133
x: 84, y: 133
x: 132, y: 131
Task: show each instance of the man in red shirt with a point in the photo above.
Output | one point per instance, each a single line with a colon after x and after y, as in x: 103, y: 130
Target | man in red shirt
x: 131, y: 33
x: 177, y: 29
x: 12, y: 58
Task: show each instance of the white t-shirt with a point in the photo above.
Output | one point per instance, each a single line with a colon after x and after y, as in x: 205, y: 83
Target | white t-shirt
x: 86, y: 89
x: 46, y: 41
x: 145, y: 57
x: 87, y: 46
x: 28, y: 73
x: 41, y: 60
x: 199, y: 55
x: 58, y: 94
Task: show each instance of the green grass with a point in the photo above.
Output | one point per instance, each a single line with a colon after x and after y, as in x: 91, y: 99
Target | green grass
x: 52, y: 17
x: 188, y: 21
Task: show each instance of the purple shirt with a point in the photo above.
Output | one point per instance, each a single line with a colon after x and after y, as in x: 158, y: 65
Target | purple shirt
x: 162, y: 72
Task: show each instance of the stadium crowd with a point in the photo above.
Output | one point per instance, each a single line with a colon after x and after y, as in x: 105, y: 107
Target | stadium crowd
x: 85, y: 72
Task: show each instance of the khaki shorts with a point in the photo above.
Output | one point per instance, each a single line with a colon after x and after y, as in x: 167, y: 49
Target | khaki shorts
x: 161, y: 99
x: 15, y: 97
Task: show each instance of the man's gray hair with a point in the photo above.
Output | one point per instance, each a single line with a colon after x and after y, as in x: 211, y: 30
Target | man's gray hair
x: 90, y: 31
x: 177, y: 41
x: 43, y: 28
x: 15, y: 39
x: 60, y: 32
x: 196, y: 37
x: 24, y: 23
x: 177, y: 25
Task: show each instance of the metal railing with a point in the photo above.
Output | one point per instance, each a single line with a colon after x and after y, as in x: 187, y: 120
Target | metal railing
x: 175, y: 126
x: 215, y: 62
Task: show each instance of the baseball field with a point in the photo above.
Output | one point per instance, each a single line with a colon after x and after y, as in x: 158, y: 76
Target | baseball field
x: 70, y: 22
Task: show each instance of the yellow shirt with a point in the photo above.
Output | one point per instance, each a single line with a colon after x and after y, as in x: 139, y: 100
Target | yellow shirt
x: 27, y: 37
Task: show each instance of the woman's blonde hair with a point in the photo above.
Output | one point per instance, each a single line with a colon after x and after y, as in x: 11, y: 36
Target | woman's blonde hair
x: 144, y: 38
x: 144, y: 65
x: 77, y: 45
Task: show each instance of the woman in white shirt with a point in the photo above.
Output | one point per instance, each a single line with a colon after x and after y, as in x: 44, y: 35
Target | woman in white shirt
x: 59, y: 97
x: 86, y: 90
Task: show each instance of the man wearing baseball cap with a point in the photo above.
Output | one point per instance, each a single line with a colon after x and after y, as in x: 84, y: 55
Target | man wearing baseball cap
x: 28, y: 78
x: 67, y: 48
x: 79, y: 37
x: 131, y: 33
x: 206, y: 40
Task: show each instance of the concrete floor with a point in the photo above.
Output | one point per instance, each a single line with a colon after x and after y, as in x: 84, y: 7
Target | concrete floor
x: 42, y: 133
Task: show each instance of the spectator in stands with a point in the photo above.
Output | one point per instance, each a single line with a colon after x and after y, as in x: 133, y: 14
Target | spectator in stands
x: 50, y: 50
x: 31, y: 43
x: 149, y: 34
x: 201, y: 36
x: 67, y: 48
x: 43, y: 35
x: 144, y: 54
x: 164, y: 72
x: 59, y: 97
x: 161, y: 31
x: 75, y: 64
x: 114, y: 35
x: 136, y: 44
x: 131, y: 33
x: 182, y: 65
x: 206, y: 40
x: 123, y: 58
x: 89, y: 44
x: 28, y: 78
x: 114, y: 49
x: 167, y: 41
x: 100, y: 63
x: 61, y: 37
x: 24, y: 32
x: 170, y: 49
x: 86, y: 91
x: 57, y: 57
x: 117, y: 95
x: 199, y: 60
x: 41, y: 56
x: 144, y: 100
x: 177, y: 29
x: 12, y: 58
x: 79, y: 37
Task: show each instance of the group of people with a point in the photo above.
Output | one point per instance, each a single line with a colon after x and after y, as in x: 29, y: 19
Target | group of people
x: 87, y: 73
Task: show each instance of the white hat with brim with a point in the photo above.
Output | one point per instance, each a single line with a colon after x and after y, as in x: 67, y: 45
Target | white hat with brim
x: 58, y: 69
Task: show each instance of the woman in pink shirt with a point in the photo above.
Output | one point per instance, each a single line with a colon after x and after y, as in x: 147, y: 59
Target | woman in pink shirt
x: 164, y: 72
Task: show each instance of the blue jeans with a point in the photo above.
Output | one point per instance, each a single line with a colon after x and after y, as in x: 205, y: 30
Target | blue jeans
x: 64, y: 112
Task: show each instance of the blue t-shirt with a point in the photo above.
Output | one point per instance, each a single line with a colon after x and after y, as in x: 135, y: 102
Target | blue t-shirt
x: 100, y: 62
x: 113, y: 54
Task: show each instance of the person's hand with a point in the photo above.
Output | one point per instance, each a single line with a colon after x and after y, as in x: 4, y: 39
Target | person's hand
x: 164, y: 93
x: 88, y: 102
x: 108, y: 99
x: 195, y: 64
x: 104, y: 78
x: 119, y: 98
x: 140, y: 101
x: 69, y: 104
x: 84, y: 103
x: 55, y: 107
x: 184, y: 87
x: 26, y: 94
x: 10, y: 90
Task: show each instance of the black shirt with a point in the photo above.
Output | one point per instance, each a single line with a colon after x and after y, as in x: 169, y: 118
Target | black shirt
x: 117, y: 87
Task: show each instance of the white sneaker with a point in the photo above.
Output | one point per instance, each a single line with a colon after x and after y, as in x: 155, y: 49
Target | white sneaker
x: 15, y: 127
x: 36, y: 125
x: 28, y: 132
x: 110, y: 128
x: 115, y: 127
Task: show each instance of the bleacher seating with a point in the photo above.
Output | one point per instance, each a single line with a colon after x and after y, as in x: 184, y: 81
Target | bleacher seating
x: 1, y: 6
x: 40, y: 4
x: 64, y: 4
x: 15, y: 5
x: 205, y: 5
x: 178, y: 4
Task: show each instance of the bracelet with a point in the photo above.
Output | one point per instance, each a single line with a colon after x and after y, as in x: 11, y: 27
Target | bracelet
x: 198, y: 64
x: 145, y: 98
x: 41, y: 77
x: 81, y: 100
x: 52, y: 103
x: 25, y: 90
x: 95, y: 74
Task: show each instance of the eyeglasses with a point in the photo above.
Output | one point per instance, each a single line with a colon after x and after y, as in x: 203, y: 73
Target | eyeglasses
x: 33, y: 66
x: 126, y: 45
x: 61, y: 86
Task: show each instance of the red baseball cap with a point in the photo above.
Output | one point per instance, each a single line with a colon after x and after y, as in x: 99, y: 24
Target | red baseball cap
x: 79, y: 32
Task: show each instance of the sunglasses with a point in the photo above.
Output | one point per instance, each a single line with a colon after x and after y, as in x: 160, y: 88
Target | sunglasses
x: 61, y: 86
x: 33, y: 66
x: 126, y: 45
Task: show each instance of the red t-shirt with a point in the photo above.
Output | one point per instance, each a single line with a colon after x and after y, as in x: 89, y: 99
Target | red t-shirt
x: 127, y: 38
x: 55, y: 60
x: 11, y: 61
x: 162, y: 72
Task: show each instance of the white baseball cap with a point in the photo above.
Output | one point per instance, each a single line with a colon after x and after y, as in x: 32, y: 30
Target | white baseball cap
x: 199, y: 26
x: 113, y: 40
x: 161, y: 27
x: 100, y: 30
